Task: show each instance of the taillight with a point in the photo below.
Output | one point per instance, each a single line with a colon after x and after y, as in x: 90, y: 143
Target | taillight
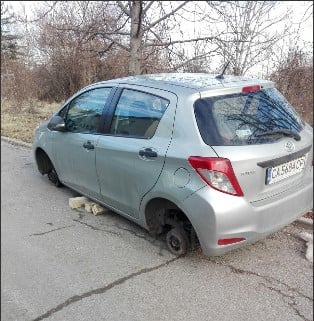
x: 218, y: 173
x: 251, y: 89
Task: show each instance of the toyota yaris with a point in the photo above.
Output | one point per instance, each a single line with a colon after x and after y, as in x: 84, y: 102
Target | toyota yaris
x: 223, y: 161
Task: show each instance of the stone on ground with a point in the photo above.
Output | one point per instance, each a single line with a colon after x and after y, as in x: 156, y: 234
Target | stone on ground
x: 77, y: 202
x: 90, y: 207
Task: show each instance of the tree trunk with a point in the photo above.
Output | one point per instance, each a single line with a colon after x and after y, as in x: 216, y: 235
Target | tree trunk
x: 136, y: 37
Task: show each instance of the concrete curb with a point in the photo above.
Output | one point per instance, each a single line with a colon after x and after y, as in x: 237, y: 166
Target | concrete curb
x: 16, y: 142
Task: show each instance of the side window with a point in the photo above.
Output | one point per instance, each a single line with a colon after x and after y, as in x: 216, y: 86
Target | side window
x: 85, y: 111
x: 63, y: 111
x: 137, y: 114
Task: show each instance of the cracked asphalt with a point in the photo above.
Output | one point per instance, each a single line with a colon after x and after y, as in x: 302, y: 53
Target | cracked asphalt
x: 63, y: 264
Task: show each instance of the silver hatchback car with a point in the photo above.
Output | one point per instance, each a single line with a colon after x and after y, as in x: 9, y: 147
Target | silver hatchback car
x: 198, y: 158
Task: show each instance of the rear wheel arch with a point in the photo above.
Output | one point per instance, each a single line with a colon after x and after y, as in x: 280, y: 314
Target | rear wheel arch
x: 162, y: 215
x: 155, y: 212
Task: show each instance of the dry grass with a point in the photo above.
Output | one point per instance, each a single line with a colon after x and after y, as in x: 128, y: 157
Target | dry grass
x: 20, y: 122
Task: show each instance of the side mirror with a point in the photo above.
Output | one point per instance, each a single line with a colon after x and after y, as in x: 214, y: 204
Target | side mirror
x: 56, y: 123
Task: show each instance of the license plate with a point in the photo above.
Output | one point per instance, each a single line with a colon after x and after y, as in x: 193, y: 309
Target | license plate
x: 285, y: 170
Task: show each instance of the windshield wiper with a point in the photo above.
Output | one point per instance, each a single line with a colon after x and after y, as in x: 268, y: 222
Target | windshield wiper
x: 285, y: 132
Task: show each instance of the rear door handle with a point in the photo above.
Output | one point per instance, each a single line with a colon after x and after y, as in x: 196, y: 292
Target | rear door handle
x: 147, y: 152
x: 88, y: 145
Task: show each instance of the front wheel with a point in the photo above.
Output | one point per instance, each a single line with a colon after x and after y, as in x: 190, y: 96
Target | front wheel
x: 54, y: 178
x: 177, y: 241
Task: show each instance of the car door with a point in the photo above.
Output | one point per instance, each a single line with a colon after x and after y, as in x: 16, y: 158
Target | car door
x: 74, y: 149
x: 131, y: 154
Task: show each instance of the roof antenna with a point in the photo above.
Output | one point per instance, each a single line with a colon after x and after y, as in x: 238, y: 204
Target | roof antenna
x: 221, y: 76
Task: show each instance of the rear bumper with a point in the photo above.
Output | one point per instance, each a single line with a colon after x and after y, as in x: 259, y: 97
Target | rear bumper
x: 215, y: 215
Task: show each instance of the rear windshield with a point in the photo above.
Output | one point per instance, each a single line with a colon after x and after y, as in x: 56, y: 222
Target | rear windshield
x: 246, y: 118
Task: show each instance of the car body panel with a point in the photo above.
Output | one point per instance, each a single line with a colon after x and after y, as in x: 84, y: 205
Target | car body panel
x: 124, y: 176
x: 225, y: 216
x: 251, y: 176
x: 75, y: 164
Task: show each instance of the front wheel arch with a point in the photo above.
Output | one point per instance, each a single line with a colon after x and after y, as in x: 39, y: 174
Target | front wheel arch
x: 45, y: 166
x: 43, y: 161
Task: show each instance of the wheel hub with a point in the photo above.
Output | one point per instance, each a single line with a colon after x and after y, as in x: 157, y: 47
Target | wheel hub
x: 175, y: 243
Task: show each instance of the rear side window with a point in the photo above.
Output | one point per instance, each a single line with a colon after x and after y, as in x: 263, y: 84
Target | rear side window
x: 137, y: 114
x: 246, y: 118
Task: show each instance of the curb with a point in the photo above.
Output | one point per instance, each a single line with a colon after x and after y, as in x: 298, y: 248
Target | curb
x: 16, y: 142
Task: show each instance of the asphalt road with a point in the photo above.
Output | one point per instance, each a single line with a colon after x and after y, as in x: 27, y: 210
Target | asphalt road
x: 63, y: 264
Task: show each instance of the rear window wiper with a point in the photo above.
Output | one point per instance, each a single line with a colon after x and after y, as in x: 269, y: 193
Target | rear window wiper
x: 285, y: 132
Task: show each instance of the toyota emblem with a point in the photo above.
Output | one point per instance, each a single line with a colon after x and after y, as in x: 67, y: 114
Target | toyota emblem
x: 289, y: 146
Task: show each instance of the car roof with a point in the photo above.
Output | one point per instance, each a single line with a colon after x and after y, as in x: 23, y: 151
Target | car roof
x: 196, y: 81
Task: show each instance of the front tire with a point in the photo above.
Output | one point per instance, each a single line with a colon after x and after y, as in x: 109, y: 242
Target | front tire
x: 177, y: 241
x: 54, y: 178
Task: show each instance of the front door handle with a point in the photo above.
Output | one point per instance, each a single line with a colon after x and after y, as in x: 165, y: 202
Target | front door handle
x: 147, y: 153
x: 88, y: 145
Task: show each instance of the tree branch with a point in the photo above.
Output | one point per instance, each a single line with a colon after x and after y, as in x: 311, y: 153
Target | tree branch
x: 147, y: 7
x: 193, y: 59
x: 151, y: 25
x: 172, y: 42
x: 123, y: 8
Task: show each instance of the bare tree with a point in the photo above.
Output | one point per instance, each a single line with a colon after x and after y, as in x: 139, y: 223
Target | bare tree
x: 65, y: 62
x: 9, y: 40
x: 294, y: 78
x: 142, y: 29
x: 135, y: 29
x: 79, y: 42
x: 12, y: 58
x: 298, y: 39
x: 251, y: 31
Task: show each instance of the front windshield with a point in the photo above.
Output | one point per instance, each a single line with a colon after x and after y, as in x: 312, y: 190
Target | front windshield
x: 246, y: 118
